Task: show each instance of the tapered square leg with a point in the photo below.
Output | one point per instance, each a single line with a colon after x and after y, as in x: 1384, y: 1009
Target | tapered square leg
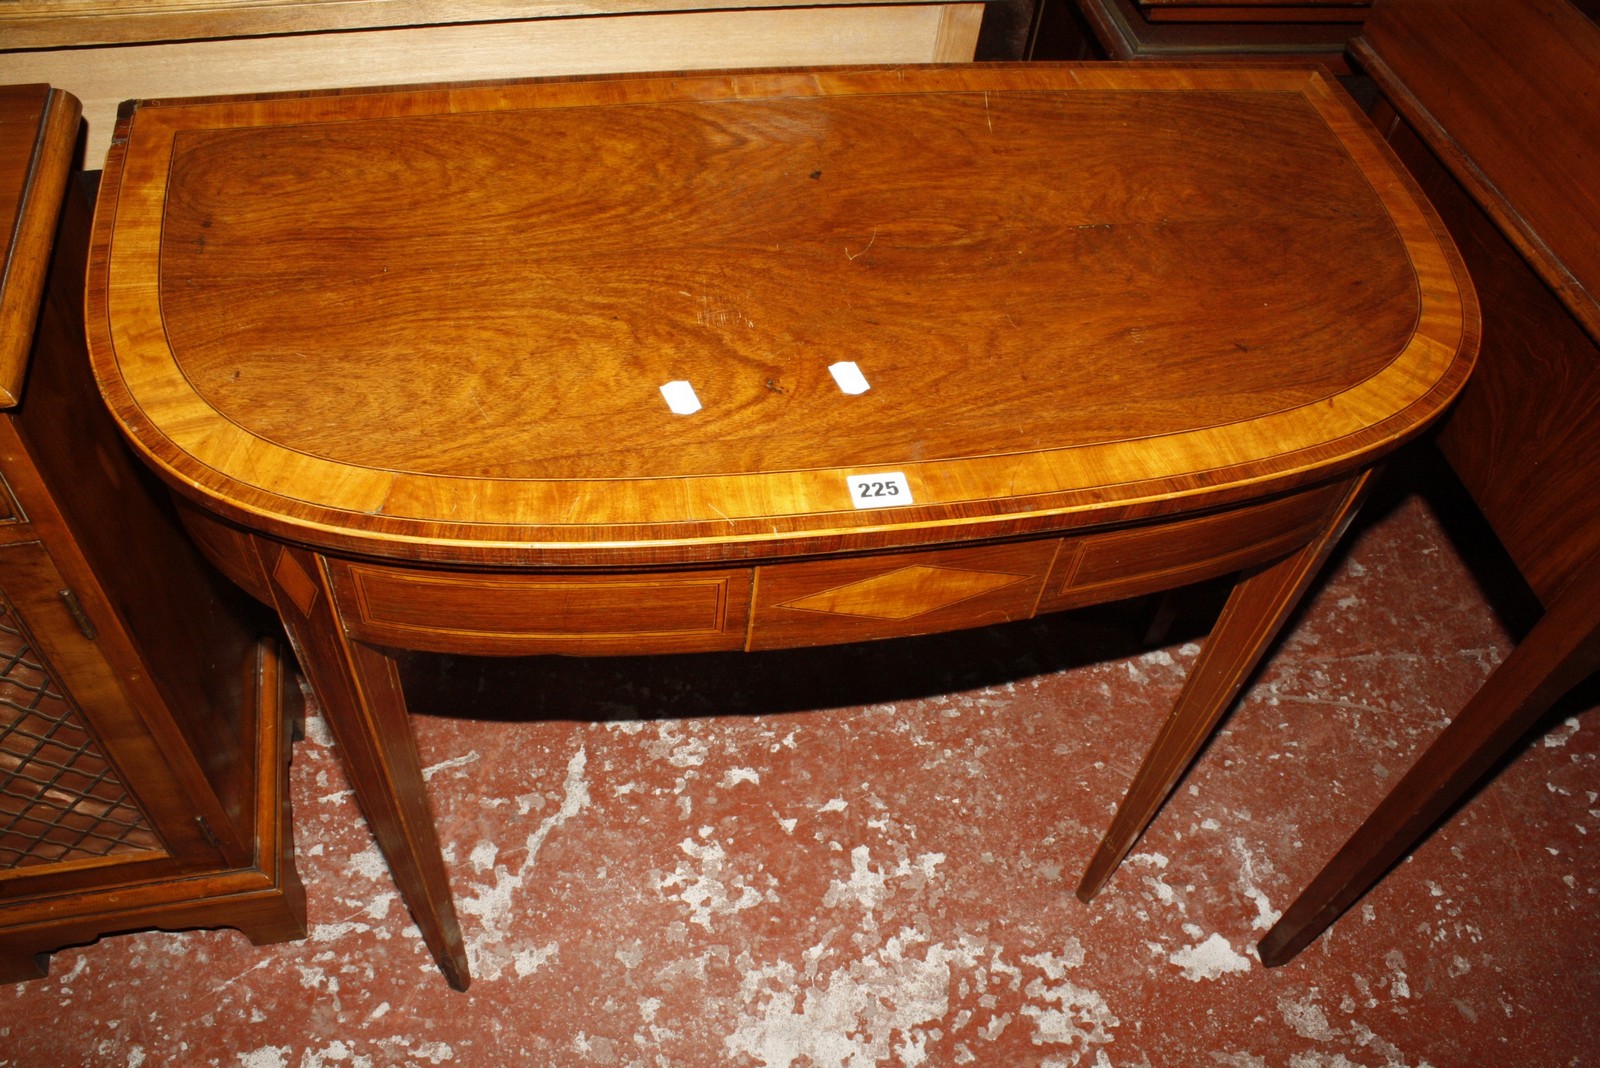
x: 359, y: 689
x: 1561, y: 651
x: 1260, y: 603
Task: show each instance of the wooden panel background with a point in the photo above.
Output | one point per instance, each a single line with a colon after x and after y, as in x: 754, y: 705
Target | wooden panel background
x: 760, y: 35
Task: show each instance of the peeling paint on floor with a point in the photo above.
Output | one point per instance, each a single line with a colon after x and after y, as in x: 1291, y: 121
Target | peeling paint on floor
x: 866, y: 856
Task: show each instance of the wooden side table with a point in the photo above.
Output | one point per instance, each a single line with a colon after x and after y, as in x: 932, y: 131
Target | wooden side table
x: 143, y: 747
x: 751, y: 361
x: 1495, y: 106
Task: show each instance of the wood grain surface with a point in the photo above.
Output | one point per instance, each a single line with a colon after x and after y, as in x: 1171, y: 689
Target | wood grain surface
x: 1518, y: 130
x: 441, y: 317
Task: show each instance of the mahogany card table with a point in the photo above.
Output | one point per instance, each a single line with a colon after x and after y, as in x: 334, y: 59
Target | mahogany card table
x: 759, y: 360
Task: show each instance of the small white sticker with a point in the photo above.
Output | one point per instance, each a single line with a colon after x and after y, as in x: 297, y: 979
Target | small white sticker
x: 680, y: 398
x: 849, y: 377
x: 887, y: 490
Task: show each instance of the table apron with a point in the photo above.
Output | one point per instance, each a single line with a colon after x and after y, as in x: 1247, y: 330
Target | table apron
x: 784, y: 604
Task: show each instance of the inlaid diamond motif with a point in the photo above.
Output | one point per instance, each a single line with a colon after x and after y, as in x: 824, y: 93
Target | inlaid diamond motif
x: 904, y: 593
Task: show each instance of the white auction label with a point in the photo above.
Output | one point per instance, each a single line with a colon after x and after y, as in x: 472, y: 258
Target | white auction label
x: 680, y: 398
x: 849, y: 377
x: 887, y: 490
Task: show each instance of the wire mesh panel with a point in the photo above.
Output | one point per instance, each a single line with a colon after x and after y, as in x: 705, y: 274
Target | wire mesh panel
x: 60, y: 798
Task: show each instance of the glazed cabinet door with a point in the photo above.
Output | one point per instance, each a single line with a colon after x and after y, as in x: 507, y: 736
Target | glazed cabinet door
x: 85, y: 798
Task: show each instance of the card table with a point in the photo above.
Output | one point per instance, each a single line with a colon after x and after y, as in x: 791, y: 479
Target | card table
x: 741, y: 360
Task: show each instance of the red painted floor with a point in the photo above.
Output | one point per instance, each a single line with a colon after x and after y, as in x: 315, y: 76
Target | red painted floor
x: 865, y: 856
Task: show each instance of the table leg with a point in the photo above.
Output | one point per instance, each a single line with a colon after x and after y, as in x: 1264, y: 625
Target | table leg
x: 1256, y: 610
x: 359, y: 689
x: 1561, y: 651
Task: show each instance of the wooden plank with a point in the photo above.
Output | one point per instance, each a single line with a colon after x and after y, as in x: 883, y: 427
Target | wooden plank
x: 103, y: 77
x: 29, y: 24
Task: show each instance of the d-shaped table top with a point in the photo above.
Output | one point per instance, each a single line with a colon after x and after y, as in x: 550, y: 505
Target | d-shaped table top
x: 468, y: 323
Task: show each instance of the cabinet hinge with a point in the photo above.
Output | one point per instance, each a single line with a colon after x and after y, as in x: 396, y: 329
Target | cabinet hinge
x: 79, y: 616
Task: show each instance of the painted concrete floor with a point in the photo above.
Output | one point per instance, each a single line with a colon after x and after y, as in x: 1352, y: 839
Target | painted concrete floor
x: 865, y: 856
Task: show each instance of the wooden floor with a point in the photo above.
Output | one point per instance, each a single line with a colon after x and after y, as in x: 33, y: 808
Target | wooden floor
x: 866, y: 856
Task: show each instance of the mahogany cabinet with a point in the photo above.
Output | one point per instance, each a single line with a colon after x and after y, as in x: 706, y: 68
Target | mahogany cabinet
x: 143, y: 749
